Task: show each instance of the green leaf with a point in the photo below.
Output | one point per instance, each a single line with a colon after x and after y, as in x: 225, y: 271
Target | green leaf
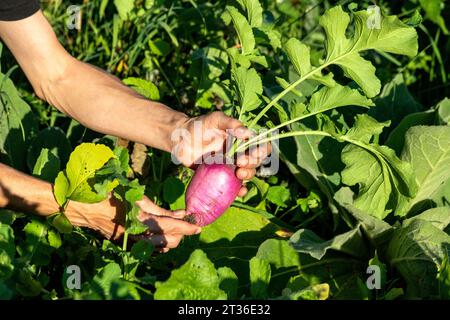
x: 394, y: 293
x: 17, y: 124
x: 395, y: 102
x: 135, y: 192
x: 102, y: 282
x: 123, y: 157
x: 262, y: 188
x: 143, y: 87
x: 314, y: 292
x: 248, y: 88
x: 235, y: 223
x: 427, y: 149
x: 197, y: 279
x: 124, y: 8
x: 278, y: 253
x: 298, y: 289
x: 443, y: 112
x: 234, y: 238
x: 260, y: 274
x: 7, y: 251
x: 284, y: 261
x: 366, y: 129
x: 433, y: 10
x: 8, y: 216
x: 396, y: 139
x: 339, y: 271
x: 124, y: 290
x: 54, y: 239
x: 243, y: 29
x: 439, y: 217
x: 337, y: 96
x: 53, y: 139
x: 5, y: 292
x: 253, y: 10
x: 60, y: 189
x: 142, y: 250
x: 77, y: 180
x: 26, y: 285
x: 444, y: 279
x: 159, y: 47
x: 300, y: 56
x: 173, y: 192
x: 373, y: 178
x: 47, y: 166
x: 208, y: 64
x: 278, y: 195
x: 351, y: 243
x: 362, y: 72
x: 377, y: 231
x: 36, y: 249
x: 228, y: 282
x: 273, y: 36
x: 384, y: 180
x: 315, y: 163
x: 417, y: 251
x: 104, y: 188
x: 392, y: 36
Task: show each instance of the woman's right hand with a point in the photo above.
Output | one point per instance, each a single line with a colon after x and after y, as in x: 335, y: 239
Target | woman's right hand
x: 165, y: 228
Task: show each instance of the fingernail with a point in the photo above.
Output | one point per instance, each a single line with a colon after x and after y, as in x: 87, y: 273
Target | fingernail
x: 198, y: 231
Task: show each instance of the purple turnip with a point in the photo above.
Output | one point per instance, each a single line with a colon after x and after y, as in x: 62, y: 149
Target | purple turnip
x: 211, y: 191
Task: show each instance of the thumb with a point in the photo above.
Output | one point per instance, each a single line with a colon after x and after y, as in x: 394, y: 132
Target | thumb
x: 148, y: 206
x: 224, y: 122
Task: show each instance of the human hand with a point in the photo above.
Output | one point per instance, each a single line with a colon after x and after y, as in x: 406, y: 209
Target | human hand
x: 166, y: 229
x: 208, y: 134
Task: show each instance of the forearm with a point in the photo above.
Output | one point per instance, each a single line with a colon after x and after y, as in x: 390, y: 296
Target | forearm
x: 24, y: 193
x: 101, y: 102
x: 94, y: 98
x: 27, y: 194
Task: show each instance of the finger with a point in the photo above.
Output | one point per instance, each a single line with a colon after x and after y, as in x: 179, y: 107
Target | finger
x: 242, y: 192
x: 166, y: 241
x: 224, y: 122
x: 242, y: 133
x: 247, y: 162
x: 260, y: 151
x: 252, y: 160
x: 163, y: 225
x: 245, y: 173
x: 148, y: 206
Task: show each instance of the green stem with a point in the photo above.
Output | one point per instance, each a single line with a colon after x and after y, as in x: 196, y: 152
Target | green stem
x: 125, y: 256
x: 125, y: 241
x: 293, y: 85
x: 153, y: 160
x: 288, y: 211
x: 282, y: 94
x: 284, y: 135
x: 434, y: 44
x: 286, y: 123
x: 386, y: 174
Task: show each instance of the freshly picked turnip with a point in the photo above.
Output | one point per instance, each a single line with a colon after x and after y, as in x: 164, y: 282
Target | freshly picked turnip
x: 211, y: 191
